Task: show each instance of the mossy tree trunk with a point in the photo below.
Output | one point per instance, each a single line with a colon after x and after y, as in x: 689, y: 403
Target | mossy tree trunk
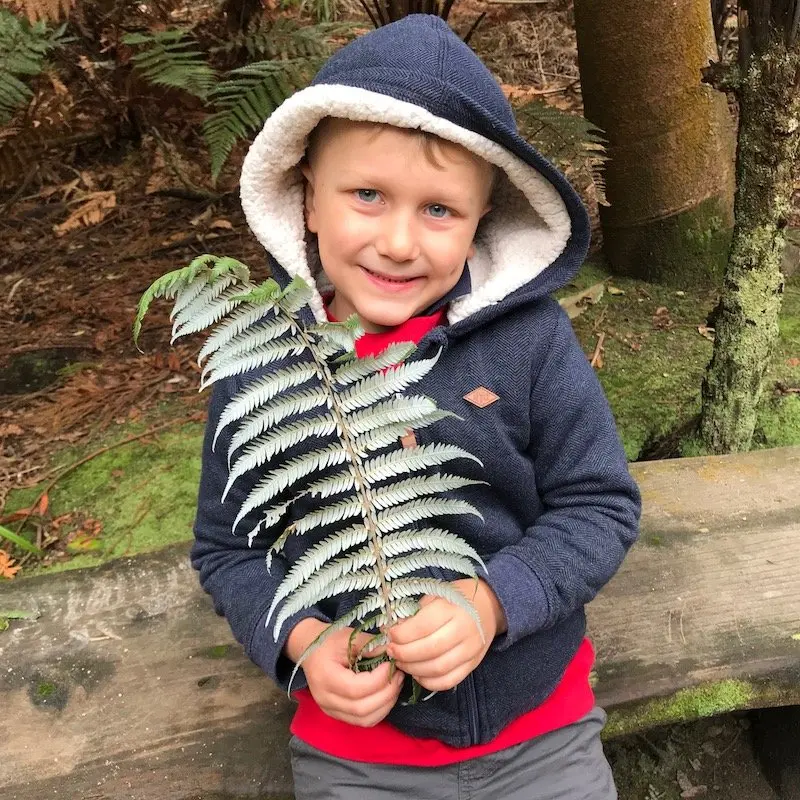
x: 670, y: 178
x: 769, y: 135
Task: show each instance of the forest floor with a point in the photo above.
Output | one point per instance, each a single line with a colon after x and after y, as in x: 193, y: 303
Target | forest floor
x: 99, y: 443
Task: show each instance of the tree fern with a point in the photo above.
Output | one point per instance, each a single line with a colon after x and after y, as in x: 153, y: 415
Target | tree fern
x: 23, y: 49
x: 328, y: 425
x: 284, y: 39
x: 170, y: 58
x: 246, y: 98
x: 566, y: 139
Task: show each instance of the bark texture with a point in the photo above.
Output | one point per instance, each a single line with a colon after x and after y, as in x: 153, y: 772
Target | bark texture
x: 747, y: 326
x: 671, y: 145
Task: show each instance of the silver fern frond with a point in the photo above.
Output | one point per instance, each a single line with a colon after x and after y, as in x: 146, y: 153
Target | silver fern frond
x: 324, y: 427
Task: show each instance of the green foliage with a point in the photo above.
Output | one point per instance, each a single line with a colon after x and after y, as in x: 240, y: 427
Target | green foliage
x: 283, y: 39
x: 565, y: 139
x: 23, y: 49
x: 19, y: 541
x: 341, y: 418
x: 246, y: 99
x: 171, y: 59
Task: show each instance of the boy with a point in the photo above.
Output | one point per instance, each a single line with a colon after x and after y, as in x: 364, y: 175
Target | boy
x: 398, y: 178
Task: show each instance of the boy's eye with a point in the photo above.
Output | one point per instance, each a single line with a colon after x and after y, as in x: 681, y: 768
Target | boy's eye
x: 438, y: 211
x: 367, y: 195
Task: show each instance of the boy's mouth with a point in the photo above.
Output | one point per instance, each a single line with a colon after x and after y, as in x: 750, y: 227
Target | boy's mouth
x: 385, y: 280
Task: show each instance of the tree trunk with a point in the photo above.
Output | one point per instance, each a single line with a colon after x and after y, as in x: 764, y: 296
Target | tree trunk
x: 747, y: 326
x: 671, y: 144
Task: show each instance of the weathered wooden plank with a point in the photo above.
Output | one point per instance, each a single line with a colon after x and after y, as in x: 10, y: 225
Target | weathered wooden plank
x: 129, y: 686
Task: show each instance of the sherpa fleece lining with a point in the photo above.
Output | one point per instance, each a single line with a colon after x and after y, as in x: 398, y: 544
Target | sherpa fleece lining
x: 525, y: 232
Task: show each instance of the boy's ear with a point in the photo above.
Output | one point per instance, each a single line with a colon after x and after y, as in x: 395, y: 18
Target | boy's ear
x: 471, y: 251
x: 308, y: 197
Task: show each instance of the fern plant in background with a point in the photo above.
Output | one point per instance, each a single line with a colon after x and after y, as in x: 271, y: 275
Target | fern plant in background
x: 568, y: 140
x: 170, y: 58
x: 242, y: 101
x: 362, y: 533
x: 23, y: 51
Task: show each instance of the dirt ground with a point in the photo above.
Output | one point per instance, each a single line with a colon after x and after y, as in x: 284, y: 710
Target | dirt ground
x: 711, y: 759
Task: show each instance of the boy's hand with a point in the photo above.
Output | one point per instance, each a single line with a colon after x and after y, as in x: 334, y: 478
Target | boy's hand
x: 360, y: 698
x: 440, y: 645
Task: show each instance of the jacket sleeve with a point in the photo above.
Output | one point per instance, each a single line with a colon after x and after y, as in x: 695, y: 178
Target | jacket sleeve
x: 591, y: 505
x: 233, y: 572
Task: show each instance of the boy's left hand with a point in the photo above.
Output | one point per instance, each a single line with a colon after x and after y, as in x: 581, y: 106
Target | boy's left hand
x: 440, y: 645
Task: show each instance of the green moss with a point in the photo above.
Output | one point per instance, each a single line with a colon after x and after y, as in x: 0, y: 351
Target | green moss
x: 218, y: 651
x: 652, y: 376
x: 687, y: 249
x: 779, y: 422
x: 144, y: 494
x: 44, y: 690
x: 705, y: 700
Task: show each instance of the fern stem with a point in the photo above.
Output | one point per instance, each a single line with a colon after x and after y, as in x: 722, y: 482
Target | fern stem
x: 363, y: 489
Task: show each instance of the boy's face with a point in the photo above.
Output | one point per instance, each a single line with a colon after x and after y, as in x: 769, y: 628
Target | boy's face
x: 394, y: 228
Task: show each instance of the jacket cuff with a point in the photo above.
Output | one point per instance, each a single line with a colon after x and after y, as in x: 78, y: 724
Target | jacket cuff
x: 521, y: 595
x: 269, y: 655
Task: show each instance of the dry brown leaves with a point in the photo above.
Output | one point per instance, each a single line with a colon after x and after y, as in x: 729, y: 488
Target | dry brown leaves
x: 93, y: 208
x: 8, y: 568
x: 662, y: 321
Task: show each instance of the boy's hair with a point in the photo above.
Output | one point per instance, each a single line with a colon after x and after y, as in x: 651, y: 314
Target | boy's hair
x: 432, y: 145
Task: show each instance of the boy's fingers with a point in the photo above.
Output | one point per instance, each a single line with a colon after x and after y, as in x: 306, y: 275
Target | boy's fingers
x: 429, y: 618
x: 428, y: 647
x: 448, y: 662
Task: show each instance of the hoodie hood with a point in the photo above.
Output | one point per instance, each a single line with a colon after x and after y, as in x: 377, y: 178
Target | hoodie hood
x: 416, y: 73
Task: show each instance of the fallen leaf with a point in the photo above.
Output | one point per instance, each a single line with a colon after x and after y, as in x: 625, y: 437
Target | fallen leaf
x: 203, y: 218
x: 576, y: 304
x: 7, y: 568
x: 42, y: 505
x: 613, y: 290
x: 796, y: 637
x: 10, y: 430
x: 793, y: 362
x: 662, y: 320
x: 225, y: 224
x: 94, y: 209
x: 597, y: 357
x: 704, y: 330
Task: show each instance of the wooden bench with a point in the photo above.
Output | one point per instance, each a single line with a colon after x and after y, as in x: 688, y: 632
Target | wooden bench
x: 128, y: 685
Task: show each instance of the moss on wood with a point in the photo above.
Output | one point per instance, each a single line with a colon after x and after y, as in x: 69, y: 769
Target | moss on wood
x: 704, y: 700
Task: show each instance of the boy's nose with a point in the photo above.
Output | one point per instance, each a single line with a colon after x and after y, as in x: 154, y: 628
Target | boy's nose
x: 396, y: 239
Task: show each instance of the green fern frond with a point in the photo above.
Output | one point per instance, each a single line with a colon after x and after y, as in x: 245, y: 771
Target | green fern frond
x: 284, y: 39
x: 245, y: 99
x: 23, y: 51
x: 568, y: 140
x: 171, y: 58
x: 328, y: 427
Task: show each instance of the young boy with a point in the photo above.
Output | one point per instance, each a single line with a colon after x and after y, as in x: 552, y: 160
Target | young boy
x: 398, y: 186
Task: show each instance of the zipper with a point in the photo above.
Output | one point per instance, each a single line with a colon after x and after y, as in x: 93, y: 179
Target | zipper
x: 472, y: 709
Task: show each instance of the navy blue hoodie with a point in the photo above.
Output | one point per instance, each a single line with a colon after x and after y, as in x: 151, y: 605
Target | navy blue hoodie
x: 559, y: 507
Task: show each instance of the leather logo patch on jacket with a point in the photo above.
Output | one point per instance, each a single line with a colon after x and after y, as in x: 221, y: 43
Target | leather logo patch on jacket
x: 481, y: 397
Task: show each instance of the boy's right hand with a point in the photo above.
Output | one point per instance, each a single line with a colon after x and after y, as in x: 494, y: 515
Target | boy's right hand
x: 359, y: 698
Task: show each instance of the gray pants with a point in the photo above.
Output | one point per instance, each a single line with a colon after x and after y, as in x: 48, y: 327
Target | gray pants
x: 567, y: 764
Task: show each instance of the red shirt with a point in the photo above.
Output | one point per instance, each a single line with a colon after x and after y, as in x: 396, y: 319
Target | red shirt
x: 572, y: 698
